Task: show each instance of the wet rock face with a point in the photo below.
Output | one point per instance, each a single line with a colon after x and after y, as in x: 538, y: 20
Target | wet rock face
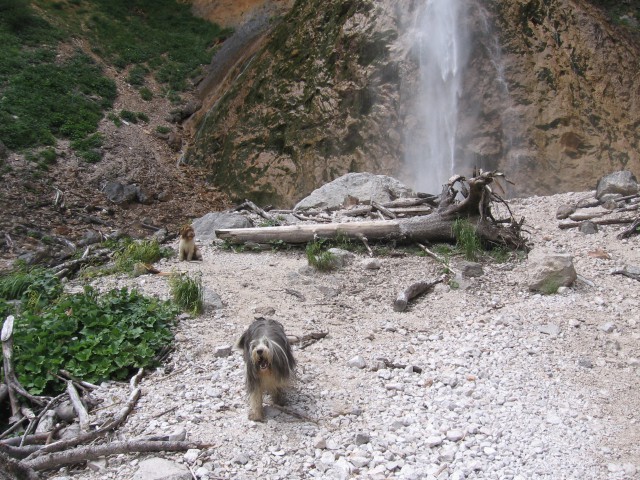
x: 550, y: 98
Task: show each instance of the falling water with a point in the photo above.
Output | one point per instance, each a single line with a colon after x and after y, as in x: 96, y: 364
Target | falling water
x: 440, y: 41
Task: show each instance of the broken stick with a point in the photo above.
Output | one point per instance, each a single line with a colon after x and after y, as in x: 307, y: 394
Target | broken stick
x: 413, y: 291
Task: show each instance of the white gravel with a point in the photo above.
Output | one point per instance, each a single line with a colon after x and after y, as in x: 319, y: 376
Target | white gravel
x: 513, y: 385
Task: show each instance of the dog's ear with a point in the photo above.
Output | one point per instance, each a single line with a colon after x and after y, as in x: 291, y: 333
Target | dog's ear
x: 243, y: 340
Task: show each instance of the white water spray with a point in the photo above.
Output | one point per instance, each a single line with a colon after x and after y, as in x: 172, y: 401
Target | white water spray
x: 440, y: 40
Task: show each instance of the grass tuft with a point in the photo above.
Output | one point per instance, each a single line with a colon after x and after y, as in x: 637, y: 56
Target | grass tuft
x: 187, y: 292
x: 467, y: 240
x: 318, y: 256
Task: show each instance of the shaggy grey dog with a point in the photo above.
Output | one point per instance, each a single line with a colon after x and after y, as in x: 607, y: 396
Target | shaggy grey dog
x: 269, y: 363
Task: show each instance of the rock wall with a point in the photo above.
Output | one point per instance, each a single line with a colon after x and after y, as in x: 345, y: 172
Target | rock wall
x: 551, y: 98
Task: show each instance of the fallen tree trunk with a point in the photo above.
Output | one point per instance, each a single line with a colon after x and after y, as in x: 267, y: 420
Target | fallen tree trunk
x: 435, y: 227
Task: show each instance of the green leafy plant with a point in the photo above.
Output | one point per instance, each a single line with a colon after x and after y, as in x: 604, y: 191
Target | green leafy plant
x: 115, y: 119
x: 467, y: 240
x: 319, y: 257
x: 187, y: 292
x: 89, y: 148
x: 129, y: 116
x: 162, y: 129
x: 94, y: 337
x: 132, y: 252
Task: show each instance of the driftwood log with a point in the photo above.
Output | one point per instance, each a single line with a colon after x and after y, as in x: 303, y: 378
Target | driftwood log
x: 435, y: 227
x: 412, y: 291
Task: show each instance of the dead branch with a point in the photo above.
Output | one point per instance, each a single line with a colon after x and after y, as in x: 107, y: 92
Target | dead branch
x: 83, y: 454
x: 383, y: 210
x: 249, y: 205
x: 634, y: 229
x: 77, y: 381
x: 10, y: 469
x: 631, y: 272
x: 604, y: 221
x: 83, y: 415
x: 413, y: 291
x: 106, y: 428
x: 364, y: 240
x: 405, y: 202
x: 292, y: 413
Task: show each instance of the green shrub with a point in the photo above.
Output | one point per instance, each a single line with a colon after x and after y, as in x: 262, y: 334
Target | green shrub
x: 89, y: 148
x: 467, y: 240
x: 115, y: 119
x: 162, y: 129
x: 137, y: 74
x: 146, y: 94
x: 143, y: 116
x: 94, y: 337
x: 187, y: 292
x: 318, y: 257
x: 129, y: 116
x: 132, y: 252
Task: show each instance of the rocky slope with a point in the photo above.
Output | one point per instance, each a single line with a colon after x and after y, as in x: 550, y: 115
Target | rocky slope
x: 505, y: 383
x: 550, y: 98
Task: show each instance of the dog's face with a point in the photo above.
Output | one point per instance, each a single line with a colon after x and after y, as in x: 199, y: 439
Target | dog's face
x: 187, y: 232
x: 266, y: 349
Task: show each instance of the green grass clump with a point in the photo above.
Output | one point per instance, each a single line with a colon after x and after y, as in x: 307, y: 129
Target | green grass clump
x: 132, y: 252
x: 34, y: 287
x: 467, y: 240
x: 163, y: 129
x: 146, y: 94
x: 89, y: 148
x: 93, y: 337
x: 187, y: 293
x: 319, y: 257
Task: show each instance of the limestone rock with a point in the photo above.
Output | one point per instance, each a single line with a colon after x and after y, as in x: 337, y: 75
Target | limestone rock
x: 206, y: 226
x: 365, y: 187
x: 623, y: 183
x: 160, y: 469
x: 548, y: 271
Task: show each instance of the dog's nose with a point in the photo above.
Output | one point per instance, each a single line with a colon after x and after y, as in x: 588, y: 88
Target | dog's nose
x: 260, y: 351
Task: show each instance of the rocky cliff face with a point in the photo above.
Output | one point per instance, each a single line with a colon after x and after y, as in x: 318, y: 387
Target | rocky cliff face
x: 551, y: 97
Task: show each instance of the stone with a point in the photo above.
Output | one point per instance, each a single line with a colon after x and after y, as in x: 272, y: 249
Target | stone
x: 161, y: 469
x: 362, y: 438
x: 206, y: 225
x: 471, y: 269
x: 357, y: 362
x: 549, y: 271
x: 223, y: 351
x: 365, y: 187
x: 455, y: 435
x: 623, y: 183
x: 341, y: 258
x: 564, y: 211
x: 371, y: 264
x: 588, y: 228
x: 120, y: 193
x: 191, y: 455
x: 211, y: 300
x: 549, y: 329
x: 608, y: 327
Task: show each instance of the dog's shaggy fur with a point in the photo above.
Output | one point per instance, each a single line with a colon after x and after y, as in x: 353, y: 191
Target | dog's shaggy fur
x: 187, y: 249
x: 270, y: 366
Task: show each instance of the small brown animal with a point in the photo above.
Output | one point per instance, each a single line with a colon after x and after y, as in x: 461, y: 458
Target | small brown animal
x: 187, y: 249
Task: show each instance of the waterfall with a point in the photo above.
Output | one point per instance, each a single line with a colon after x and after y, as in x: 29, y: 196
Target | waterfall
x: 440, y: 42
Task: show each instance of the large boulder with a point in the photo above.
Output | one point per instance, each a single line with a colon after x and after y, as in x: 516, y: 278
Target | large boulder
x: 361, y: 187
x: 206, y: 226
x: 621, y: 183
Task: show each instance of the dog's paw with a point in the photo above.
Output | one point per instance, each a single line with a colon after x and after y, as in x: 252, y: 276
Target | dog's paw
x: 255, y: 417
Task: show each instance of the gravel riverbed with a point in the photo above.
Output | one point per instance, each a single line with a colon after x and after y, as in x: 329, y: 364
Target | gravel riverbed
x: 491, y: 381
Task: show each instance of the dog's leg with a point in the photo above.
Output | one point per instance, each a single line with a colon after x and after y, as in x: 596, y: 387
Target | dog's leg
x: 278, y: 396
x: 190, y: 254
x: 255, y: 405
x: 181, y: 254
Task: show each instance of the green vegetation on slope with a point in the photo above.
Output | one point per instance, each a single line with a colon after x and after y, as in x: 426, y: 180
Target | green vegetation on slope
x: 46, y: 94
